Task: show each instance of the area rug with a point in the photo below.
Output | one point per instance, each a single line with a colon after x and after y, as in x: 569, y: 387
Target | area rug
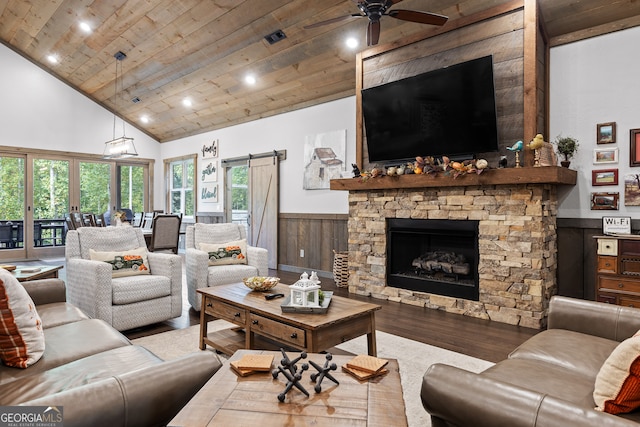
x: 413, y: 357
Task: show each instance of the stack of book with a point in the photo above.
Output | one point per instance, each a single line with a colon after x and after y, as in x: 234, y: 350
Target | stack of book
x: 365, y: 367
x: 251, y: 364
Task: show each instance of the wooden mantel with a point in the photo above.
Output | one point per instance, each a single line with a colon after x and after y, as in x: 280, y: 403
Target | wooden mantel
x: 508, y: 176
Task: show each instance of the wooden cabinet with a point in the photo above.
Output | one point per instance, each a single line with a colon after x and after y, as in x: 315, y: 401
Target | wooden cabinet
x: 618, y: 270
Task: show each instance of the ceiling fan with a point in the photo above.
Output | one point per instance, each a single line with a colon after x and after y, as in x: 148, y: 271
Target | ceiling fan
x: 376, y: 9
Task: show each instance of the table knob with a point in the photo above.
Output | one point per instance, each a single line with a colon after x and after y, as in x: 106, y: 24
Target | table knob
x: 255, y: 322
x: 620, y: 285
x: 237, y: 314
x: 209, y: 304
x: 294, y: 335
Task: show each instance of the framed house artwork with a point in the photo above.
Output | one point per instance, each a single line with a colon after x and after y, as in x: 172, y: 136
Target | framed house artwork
x: 605, y: 155
x: 604, y: 177
x: 606, y: 133
x: 604, y: 201
x: 324, y: 159
x: 632, y: 189
x: 634, y: 149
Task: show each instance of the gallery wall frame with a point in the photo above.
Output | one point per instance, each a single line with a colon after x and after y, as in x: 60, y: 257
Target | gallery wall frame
x: 604, y: 201
x: 634, y: 149
x: 604, y: 177
x: 606, y: 133
x: 605, y: 155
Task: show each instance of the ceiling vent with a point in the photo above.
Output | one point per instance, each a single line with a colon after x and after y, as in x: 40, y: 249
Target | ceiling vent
x: 275, y: 37
x: 135, y: 100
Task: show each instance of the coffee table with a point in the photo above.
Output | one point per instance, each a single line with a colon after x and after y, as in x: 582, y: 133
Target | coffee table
x: 229, y: 400
x: 33, y: 272
x: 254, y: 315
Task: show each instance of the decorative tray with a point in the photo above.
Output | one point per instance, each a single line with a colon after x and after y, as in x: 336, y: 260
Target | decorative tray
x: 288, y: 308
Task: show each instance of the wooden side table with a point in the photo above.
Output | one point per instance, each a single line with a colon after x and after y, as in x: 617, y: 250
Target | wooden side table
x: 35, y: 272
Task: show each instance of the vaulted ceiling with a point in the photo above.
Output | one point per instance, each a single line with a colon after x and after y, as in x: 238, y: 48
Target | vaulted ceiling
x: 202, y: 50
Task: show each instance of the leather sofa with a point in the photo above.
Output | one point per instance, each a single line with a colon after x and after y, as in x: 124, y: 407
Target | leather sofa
x: 96, y: 374
x: 547, y: 381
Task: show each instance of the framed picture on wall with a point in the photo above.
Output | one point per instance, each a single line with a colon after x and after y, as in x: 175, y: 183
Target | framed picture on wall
x: 606, y: 133
x: 634, y: 149
x: 632, y: 189
x: 604, y: 177
x: 209, y: 193
x: 604, y: 201
x: 605, y: 155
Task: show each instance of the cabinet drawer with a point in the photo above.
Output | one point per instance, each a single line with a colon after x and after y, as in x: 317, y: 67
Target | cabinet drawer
x: 224, y: 311
x: 608, y: 247
x: 619, y: 285
x: 629, y: 301
x: 609, y: 299
x: 630, y: 266
x: 279, y: 331
x: 607, y: 264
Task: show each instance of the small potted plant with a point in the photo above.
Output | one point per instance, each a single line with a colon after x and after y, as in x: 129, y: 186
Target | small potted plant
x: 567, y: 146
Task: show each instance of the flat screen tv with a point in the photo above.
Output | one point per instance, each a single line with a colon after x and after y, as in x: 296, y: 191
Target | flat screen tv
x: 450, y: 111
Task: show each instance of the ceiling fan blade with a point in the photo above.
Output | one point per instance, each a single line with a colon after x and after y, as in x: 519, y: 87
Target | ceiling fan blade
x: 332, y: 20
x: 373, y: 33
x: 419, y: 17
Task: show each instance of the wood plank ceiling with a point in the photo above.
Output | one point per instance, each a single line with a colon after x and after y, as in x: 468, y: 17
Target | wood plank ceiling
x: 203, y: 49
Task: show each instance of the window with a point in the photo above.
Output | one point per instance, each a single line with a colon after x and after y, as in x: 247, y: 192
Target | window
x: 181, y: 187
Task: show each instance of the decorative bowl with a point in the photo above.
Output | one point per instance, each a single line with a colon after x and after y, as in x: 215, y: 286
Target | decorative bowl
x: 260, y: 283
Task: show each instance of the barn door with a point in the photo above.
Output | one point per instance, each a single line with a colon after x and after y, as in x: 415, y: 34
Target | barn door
x: 263, y: 206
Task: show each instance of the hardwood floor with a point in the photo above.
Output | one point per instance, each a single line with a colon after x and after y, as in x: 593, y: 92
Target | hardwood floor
x: 483, y: 339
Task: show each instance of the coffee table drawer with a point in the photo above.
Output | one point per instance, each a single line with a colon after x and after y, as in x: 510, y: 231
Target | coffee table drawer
x: 224, y: 311
x: 279, y: 331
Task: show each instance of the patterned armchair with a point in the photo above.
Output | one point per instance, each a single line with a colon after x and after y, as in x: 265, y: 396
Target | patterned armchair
x: 107, y: 290
x: 201, y: 275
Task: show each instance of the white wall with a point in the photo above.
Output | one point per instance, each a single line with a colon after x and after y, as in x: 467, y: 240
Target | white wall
x: 595, y: 81
x: 39, y: 111
x: 282, y: 132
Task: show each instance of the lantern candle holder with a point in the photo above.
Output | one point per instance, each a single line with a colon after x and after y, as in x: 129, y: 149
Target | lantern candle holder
x: 305, y: 292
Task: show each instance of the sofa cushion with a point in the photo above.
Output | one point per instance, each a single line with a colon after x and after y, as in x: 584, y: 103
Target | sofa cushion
x: 22, y: 340
x: 212, y: 233
x: 226, y: 253
x: 69, y: 342
x: 130, y: 262
x: 617, y: 386
x: 544, y: 378
x: 59, y: 313
x: 127, y: 290
x: 567, y: 349
x: 77, y: 373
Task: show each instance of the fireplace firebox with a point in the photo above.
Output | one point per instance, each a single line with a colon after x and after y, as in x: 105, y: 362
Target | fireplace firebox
x: 434, y: 256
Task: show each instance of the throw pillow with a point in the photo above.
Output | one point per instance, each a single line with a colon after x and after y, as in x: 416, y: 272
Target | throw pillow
x: 226, y: 253
x: 617, y: 387
x: 21, y: 334
x: 124, y: 263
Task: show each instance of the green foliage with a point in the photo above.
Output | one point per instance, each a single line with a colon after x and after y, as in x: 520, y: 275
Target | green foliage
x: 567, y: 146
x: 50, y: 188
x: 11, y: 188
x: 239, y: 188
x: 132, y: 188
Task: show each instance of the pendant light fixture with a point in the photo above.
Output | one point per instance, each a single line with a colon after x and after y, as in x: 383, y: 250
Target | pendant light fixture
x: 119, y: 148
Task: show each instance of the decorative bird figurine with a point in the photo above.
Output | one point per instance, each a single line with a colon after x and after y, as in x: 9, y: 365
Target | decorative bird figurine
x: 516, y: 147
x: 537, y: 142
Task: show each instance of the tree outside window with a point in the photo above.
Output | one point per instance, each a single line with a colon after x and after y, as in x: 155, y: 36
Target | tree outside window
x: 181, y: 187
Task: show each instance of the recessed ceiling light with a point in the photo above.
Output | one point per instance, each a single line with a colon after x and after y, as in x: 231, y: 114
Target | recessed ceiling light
x: 52, y: 59
x: 144, y: 119
x: 187, y: 102
x: 84, y: 26
x: 250, y: 79
x: 352, y: 42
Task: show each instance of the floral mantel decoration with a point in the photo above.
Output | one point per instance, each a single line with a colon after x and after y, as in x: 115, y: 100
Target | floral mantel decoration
x: 429, y: 166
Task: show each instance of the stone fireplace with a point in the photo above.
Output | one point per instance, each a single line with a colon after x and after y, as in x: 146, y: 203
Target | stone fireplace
x: 515, y: 211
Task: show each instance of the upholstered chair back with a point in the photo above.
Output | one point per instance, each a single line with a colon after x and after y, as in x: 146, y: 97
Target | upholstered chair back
x: 102, y: 239
x: 213, y: 233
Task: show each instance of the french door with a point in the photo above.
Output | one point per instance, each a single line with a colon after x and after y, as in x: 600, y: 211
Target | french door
x: 38, y: 190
